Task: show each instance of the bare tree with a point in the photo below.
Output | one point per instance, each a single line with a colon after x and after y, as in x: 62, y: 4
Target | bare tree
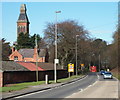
x: 67, y: 31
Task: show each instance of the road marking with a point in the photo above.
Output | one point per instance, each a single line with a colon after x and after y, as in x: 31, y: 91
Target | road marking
x: 98, y: 77
x: 89, y: 85
x: 115, y: 78
x: 81, y: 90
x: 73, y: 93
x: 75, y: 81
x: 32, y: 93
x: 94, y: 82
x: 50, y: 88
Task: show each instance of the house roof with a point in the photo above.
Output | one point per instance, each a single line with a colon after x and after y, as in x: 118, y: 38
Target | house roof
x: 30, y: 52
x: 11, y: 66
x: 25, y: 66
x: 23, y: 18
x: 42, y: 53
x: 30, y: 66
x: 27, y: 52
x: 48, y: 66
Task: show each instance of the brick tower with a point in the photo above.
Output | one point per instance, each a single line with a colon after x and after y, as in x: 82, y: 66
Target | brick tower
x: 23, y: 22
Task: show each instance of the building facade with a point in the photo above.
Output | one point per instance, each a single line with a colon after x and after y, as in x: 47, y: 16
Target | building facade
x: 22, y: 22
x: 29, y: 55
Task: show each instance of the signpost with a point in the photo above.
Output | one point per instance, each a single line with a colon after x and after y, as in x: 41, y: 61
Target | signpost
x: 70, y: 68
x: 56, y: 61
x: 82, y: 67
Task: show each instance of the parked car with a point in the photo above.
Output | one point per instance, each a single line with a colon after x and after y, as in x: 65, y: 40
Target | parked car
x: 107, y: 75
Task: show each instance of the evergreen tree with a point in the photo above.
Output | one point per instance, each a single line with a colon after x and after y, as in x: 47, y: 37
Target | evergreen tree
x: 26, y: 41
x: 6, y: 51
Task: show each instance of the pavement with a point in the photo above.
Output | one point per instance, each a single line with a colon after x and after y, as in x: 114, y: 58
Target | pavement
x: 32, y: 89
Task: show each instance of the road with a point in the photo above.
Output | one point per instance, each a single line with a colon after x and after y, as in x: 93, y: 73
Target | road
x: 87, y: 87
x: 103, y: 88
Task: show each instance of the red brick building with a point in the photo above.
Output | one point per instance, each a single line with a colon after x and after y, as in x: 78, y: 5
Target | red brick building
x: 29, y: 55
x: 23, y: 22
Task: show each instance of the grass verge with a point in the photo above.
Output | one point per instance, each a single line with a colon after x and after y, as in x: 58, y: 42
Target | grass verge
x: 117, y: 75
x: 68, y: 79
x: 21, y: 86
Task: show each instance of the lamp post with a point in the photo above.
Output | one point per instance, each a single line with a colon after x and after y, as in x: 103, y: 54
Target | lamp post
x: 76, y: 54
x: 36, y: 58
x: 99, y: 62
x: 56, y: 60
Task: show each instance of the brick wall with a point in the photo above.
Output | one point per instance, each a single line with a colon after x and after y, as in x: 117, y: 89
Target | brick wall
x: 20, y: 58
x: 16, y: 53
x: 10, y: 77
x: 1, y: 79
x: 28, y: 59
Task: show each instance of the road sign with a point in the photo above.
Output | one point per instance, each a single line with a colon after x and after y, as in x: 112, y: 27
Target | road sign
x: 56, y: 61
x: 82, y: 65
x: 70, y: 67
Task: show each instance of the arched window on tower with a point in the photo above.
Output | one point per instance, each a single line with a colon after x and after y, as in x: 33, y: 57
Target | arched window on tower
x: 23, y: 28
x: 18, y: 29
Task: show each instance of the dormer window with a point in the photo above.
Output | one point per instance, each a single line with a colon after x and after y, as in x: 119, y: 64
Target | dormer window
x: 15, y: 58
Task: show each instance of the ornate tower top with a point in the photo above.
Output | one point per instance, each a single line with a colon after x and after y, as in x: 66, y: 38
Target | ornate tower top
x: 23, y: 15
x: 22, y: 22
x: 23, y: 8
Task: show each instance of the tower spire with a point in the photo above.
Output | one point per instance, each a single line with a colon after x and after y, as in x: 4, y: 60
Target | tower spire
x: 23, y: 8
x: 23, y: 22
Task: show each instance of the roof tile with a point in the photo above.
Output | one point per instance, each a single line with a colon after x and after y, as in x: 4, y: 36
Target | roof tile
x: 30, y: 66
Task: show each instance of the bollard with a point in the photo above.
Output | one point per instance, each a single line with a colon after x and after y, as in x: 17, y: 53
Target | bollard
x: 46, y: 79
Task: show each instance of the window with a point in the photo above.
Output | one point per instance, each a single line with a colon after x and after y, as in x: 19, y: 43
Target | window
x: 23, y: 28
x: 18, y: 29
x: 15, y: 58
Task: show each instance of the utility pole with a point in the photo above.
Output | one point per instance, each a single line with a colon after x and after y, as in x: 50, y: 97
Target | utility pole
x: 55, y: 60
x: 36, y: 58
x: 99, y: 62
x: 76, y: 55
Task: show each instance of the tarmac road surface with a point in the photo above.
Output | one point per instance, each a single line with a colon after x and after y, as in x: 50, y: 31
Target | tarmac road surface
x: 66, y: 90
x: 92, y: 86
x: 103, y: 88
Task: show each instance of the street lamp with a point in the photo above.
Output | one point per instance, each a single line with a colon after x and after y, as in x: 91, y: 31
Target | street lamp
x: 76, y: 54
x: 99, y: 62
x: 36, y: 58
x: 56, y: 60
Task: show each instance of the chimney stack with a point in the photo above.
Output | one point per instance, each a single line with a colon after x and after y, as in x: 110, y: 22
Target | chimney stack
x: 13, y: 49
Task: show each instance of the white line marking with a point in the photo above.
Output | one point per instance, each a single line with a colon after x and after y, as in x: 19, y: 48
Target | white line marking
x: 98, y: 77
x: 81, y: 89
x: 116, y: 78
x: 50, y: 89
x: 32, y: 93
x: 73, y: 93
x: 89, y: 85
x: 76, y: 81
